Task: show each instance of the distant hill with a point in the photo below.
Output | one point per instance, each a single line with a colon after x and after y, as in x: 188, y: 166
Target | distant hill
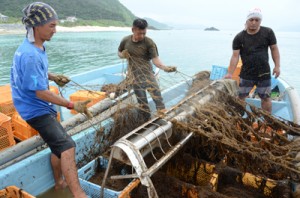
x: 211, y: 29
x: 156, y: 25
x: 187, y: 26
x: 88, y: 12
x: 108, y: 11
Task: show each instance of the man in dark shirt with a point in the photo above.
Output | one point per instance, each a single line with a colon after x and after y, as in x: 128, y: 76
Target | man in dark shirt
x: 140, y: 50
x: 252, y: 45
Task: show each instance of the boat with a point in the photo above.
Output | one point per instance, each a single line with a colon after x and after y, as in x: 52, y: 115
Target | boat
x: 32, y: 151
x: 26, y: 165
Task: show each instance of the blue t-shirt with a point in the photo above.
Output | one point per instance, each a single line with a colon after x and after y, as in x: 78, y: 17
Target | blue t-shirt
x: 29, y: 73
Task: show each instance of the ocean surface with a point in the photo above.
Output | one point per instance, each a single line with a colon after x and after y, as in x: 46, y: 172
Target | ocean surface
x: 190, y: 50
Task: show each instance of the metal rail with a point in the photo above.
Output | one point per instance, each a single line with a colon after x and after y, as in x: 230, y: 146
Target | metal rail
x: 133, y: 147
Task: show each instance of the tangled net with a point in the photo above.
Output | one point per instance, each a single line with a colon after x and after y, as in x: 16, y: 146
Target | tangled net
x: 231, y: 134
x: 226, y: 130
x: 251, y: 141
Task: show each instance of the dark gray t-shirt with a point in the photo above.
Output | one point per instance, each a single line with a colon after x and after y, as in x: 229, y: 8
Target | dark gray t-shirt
x: 254, y: 53
x: 141, y: 54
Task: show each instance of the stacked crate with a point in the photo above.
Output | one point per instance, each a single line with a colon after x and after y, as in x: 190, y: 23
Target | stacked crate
x: 22, y: 130
x: 6, y: 102
x: 6, y: 134
x: 82, y: 95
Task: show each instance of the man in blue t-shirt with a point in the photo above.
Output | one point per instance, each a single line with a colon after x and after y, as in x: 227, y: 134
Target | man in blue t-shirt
x: 252, y: 45
x: 33, y: 99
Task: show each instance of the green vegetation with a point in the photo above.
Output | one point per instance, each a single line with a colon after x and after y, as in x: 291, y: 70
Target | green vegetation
x: 103, y: 23
x: 88, y: 12
x: 11, y: 20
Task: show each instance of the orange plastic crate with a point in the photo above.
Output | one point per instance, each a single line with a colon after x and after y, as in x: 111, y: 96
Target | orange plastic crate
x: 237, y: 71
x: 54, y: 89
x: 58, y: 116
x: 14, y: 192
x: 82, y: 95
x: 6, y: 103
x: 7, y: 107
x: 5, y: 88
x: 22, y: 130
x: 6, y: 134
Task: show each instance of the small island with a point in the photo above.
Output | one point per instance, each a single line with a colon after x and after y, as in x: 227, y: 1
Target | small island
x: 211, y: 29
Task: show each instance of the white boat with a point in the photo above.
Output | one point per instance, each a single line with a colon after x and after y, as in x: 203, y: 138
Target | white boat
x: 27, y: 164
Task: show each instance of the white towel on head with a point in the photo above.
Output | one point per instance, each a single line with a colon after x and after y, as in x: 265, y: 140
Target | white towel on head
x: 254, y: 13
x: 30, y: 34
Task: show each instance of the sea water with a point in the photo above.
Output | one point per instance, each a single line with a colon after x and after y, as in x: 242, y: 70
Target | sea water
x: 52, y: 193
x: 190, y: 50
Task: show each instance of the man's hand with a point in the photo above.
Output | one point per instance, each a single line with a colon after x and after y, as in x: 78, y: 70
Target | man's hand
x: 80, y: 107
x: 228, y: 76
x: 60, y: 79
x: 170, y: 69
x: 276, y: 72
x: 125, y: 54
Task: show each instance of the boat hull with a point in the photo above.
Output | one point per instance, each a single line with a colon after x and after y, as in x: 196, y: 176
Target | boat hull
x: 34, y: 173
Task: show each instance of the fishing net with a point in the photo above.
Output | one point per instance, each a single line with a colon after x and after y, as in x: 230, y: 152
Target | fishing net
x: 250, y: 140
x: 235, y: 137
x: 239, y: 139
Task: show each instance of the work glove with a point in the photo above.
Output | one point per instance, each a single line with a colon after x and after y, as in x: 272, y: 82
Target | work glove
x: 60, y: 79
x: 81, y: 107
x: 170, y: 69
x: 125, y: 54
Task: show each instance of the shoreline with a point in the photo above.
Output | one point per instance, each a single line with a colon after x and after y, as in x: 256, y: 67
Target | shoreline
x: 91, y: 29
x: 6, y: 29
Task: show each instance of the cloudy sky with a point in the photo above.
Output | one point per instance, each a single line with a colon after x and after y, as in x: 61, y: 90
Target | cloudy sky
x: 283, y: 15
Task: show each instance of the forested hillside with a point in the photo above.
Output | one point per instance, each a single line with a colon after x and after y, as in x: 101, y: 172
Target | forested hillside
x: 110, y: 12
